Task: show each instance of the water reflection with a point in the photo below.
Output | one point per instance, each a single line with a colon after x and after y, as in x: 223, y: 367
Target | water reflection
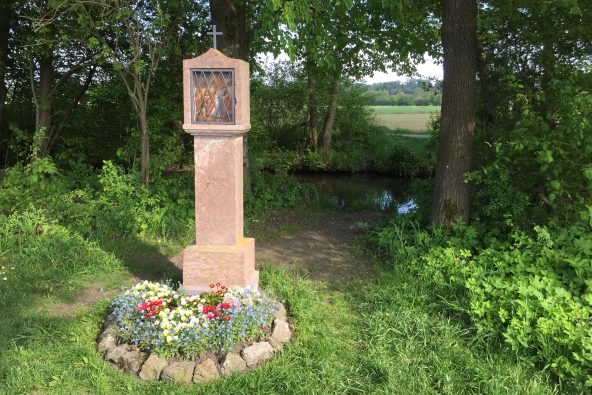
x: 361, y: 192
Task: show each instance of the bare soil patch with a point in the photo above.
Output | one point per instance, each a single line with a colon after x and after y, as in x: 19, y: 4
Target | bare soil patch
x: 319, y: 243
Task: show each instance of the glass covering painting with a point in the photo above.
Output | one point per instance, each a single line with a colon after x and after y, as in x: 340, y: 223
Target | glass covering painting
x: 212, y: 96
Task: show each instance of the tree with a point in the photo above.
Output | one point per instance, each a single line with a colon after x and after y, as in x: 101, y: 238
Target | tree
x: 133, y: 37
x: 457, y: 122
x: 534, y: 84
x: 340, y: 40
x: 54, y: 52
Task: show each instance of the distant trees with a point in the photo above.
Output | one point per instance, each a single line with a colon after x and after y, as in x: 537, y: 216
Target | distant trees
x: 412, y: 92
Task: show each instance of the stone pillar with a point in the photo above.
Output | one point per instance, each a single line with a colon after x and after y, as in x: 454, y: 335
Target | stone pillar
x: 217, y: 113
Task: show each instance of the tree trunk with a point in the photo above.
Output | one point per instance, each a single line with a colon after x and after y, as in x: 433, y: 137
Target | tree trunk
x: 44, y: 105
x: 142, y: 111
x: 313, y: 114
x: 457, y: 122
x: 145, y: 159
x: 330, y: 119
x: 5, y: 22
x: 230, y: 18
x: 488, y: 87
x: 57, y: 129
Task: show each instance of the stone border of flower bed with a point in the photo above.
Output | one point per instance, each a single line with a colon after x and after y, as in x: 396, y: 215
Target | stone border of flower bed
x: 149, y: 367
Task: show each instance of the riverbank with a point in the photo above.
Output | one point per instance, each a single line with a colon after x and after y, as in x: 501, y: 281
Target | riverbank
x: 386, y: 154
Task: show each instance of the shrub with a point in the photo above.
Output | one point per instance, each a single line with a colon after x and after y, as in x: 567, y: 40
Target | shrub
x: 535, y: 291
x: 531, y: 289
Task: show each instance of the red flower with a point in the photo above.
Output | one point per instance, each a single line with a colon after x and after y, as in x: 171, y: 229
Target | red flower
x: 226, y: 318
x: 217, y: 284
x: 218, y: 292
x: 211, y: 285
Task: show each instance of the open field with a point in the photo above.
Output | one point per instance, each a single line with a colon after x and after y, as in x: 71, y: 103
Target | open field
x: 405, y: 109
x: 411, y: 118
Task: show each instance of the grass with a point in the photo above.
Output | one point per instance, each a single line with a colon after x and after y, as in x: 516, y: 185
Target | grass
x: 383, y: 335
x: 405, y: 119
x: 410, y: 123
x: 405, y: 109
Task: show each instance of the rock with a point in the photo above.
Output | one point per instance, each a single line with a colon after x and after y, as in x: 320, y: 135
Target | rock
x: 107, y: 341
x: 205, y: 371
x: 233, y: 363
x: 179, y: 372
x: 281, y: 314
x: 281, y: 331
x: 257, y: 353
x: 109, y: 331
x: 275, y: 344
x: 132, y: 361
x: 110, y: 321
x: 114, y: 354
x: 152, y: 368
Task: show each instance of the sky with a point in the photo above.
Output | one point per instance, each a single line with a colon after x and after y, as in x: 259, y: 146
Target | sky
x: 427, y: 70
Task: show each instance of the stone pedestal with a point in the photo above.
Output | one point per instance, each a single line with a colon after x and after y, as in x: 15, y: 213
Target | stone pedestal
x: 230, y: 265
x: 217, y: 114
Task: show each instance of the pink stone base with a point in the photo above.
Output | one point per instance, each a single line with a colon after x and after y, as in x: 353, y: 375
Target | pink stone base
x: 228, y: 265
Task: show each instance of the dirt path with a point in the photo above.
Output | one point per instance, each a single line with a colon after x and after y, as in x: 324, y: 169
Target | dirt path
x: 318, y: 243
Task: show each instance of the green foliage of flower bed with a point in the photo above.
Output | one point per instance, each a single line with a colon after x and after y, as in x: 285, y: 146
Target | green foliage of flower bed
x: 171, y: 322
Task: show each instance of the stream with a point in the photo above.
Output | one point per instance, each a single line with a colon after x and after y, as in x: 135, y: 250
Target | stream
x: 360, y: 192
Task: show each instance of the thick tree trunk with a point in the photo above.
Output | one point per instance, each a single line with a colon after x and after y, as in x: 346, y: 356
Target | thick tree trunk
x: 230, y: 18
x: 313, y: 114
x: 457, y: 122
x: 330, y: 119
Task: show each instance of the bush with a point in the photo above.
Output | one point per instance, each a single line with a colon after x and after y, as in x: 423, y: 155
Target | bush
x: 531, y: 289
x: 534, y: 290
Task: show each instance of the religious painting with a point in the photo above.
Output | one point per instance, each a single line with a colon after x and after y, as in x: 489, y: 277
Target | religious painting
x: 212, y: 96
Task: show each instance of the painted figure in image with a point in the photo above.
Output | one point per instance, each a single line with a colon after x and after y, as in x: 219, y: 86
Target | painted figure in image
x: 213, y: 101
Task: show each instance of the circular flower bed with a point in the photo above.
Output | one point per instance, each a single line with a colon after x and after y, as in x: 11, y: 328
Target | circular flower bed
x: 158, y: 321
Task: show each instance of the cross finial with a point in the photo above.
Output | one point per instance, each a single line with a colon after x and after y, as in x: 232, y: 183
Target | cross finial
x: 214, y: 34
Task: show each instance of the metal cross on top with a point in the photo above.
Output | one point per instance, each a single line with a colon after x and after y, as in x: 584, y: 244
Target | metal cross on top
x: 214, y: 34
